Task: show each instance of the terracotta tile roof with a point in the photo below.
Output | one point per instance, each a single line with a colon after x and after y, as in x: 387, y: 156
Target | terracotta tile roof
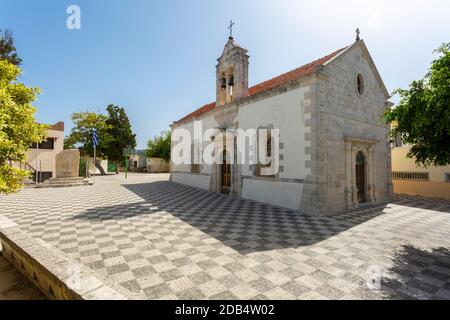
x: 280, y: 80
x: 57, y: 126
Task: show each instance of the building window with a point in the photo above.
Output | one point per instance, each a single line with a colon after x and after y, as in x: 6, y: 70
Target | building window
x: 260, y: 165
x: 416, y: 176
x: 359, y: 84
x: 447, y: 177
x: 48, y: 144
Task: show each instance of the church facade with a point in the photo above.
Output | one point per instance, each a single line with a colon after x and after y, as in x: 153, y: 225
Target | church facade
x: 333, y: 148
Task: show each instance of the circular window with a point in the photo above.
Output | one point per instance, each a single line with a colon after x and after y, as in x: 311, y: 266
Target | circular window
x: 359, y: 84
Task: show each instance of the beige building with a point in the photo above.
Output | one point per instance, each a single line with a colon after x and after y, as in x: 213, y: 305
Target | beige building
x: 42, y: 157
x: 408, y: 178
x: 334, y: 152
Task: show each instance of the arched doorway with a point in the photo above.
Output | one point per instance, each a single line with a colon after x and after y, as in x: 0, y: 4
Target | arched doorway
x: 361, y: 177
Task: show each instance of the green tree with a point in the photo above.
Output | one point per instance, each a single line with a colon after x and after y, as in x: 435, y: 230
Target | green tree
x: 422, y: 117
x: 7, y: 48
x: 18, y: 126
x: 122, y: 137
x: 81, y: 134
x: 159, y: 146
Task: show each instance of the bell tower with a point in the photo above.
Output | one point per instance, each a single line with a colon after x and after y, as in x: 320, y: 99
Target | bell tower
x: 231, y: 73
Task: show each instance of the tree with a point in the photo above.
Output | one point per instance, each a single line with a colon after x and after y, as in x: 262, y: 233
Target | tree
x: 18, y: 126
x: 81, y: 134
x: 7, y: 48
x: 422, y: 117
x: 159, y: 146
x: 122, y: 137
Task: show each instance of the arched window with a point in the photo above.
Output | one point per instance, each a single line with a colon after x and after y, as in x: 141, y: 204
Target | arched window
x: 360, y: 158
x: 222, y: 87
x: 359, y: 84
x: 230, y: 83
x: 231, y: 86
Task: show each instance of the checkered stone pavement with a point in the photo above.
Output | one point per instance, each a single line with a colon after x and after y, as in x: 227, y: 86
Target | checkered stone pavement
x: 163, y: 240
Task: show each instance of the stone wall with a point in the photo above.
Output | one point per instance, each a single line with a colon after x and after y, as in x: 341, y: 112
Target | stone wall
x: 344, y: 114
x: 157, y: 165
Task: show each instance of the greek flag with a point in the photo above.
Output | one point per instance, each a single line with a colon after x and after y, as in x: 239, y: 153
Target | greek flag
x: 94, y: 137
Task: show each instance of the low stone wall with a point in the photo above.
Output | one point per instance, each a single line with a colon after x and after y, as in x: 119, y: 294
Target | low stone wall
x: 51, y: 271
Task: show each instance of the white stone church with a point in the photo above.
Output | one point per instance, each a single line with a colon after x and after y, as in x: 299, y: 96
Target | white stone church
x: 333, y: 146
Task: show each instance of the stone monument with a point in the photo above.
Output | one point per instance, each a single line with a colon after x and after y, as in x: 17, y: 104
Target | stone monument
x: 67, y: 164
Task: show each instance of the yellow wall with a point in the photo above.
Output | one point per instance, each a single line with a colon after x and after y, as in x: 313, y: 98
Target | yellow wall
x: 436, y: 187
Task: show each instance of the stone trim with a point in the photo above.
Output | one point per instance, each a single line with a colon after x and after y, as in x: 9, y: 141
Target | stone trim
x: 353, y: 146
x: 271, y: 179
x: 192, y: 174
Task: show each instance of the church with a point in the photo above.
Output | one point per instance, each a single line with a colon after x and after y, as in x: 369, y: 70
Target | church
x: 333, y: 147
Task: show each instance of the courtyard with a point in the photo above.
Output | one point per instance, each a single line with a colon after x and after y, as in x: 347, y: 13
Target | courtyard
x: 161, y: 240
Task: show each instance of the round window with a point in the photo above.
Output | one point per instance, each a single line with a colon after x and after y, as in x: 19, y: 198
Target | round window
x: 360, y: 84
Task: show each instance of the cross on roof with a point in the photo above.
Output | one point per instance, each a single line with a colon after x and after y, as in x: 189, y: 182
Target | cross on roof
x: 231, y: 28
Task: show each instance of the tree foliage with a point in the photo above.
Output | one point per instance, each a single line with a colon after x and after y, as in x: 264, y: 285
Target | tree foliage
x: 113, y: 131
x: 159, y: 146
x: 81, y: 133
x: 18, y: 126
x: 422, y: 117
x: 7, y: 48
x: 119, y: 129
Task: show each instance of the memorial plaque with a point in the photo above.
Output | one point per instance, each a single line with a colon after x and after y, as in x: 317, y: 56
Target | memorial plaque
x: 67, y: 163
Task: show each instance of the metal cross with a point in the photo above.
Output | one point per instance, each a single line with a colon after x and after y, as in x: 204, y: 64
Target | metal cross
x: 231, y: 28
x: 357, y: 34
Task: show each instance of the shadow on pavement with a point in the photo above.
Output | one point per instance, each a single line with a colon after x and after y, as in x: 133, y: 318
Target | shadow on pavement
x: 245, y: 225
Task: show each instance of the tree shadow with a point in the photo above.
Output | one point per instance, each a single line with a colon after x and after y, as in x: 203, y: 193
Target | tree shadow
x: 418, y: 274
x: 244, y: 225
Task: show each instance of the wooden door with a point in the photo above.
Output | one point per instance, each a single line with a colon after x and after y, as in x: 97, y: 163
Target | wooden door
x: 360, y: 177
x: 226, y: 175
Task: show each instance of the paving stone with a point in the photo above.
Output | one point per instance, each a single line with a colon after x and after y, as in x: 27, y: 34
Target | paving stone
x: 167, y: 240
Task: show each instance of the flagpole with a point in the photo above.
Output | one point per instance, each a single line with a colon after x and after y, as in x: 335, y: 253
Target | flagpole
x: 95, y: 159
x: 94, y: 143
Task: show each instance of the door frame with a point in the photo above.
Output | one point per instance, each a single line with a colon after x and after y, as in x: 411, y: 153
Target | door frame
x: 352, y: 147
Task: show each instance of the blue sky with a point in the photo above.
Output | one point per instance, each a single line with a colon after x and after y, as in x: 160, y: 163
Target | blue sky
x: 157, y: 58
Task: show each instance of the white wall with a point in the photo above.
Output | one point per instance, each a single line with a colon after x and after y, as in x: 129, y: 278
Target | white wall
x: 198, y: 181
x: 286, y: 113
x: 281, y: 194
x: 93, y: 169
x: 207, y: 123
